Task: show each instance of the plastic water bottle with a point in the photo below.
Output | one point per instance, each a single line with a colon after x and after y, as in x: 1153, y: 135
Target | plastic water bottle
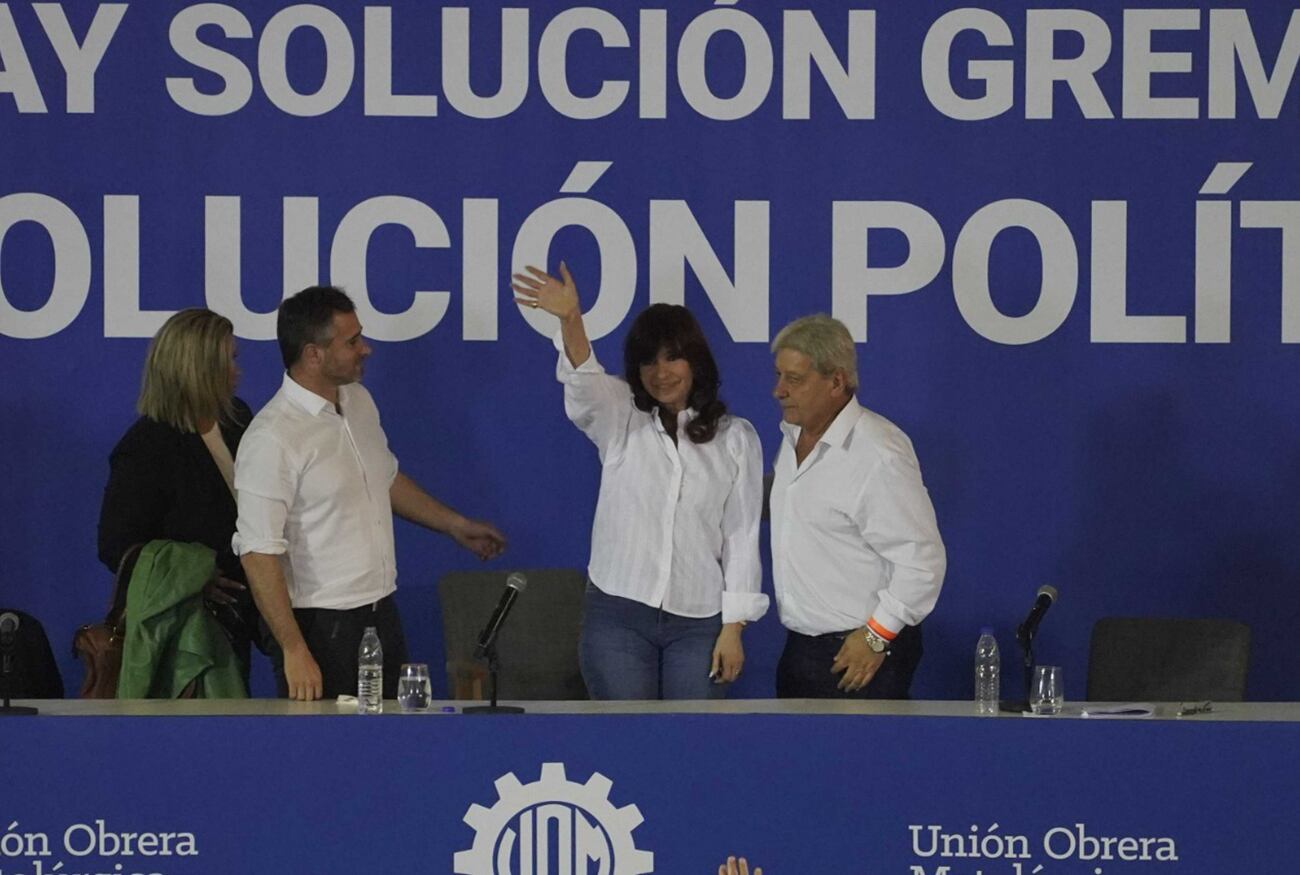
x: 370, y: 674
x: 988, y: 671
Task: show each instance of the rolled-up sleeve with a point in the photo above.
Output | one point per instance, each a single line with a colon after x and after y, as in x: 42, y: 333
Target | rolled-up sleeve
x: 743, y: 599
x: 266, y: 481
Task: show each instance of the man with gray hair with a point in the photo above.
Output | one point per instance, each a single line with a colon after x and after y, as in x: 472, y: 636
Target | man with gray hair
x: 856, y: 555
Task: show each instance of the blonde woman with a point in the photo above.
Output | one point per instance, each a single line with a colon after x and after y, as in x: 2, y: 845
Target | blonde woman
x: 171, y: 476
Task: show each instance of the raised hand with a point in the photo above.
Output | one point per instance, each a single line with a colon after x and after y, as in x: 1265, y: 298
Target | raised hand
x: 539, y: 290
x: 737, y: 867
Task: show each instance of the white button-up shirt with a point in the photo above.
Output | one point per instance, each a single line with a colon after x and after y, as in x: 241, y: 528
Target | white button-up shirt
x: 676, y: 524
x: 854, y: 537
x: 313, y: 489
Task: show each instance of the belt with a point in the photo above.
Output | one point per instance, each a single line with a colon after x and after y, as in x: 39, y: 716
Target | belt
x: 368, y: 607
x: 840, y: 636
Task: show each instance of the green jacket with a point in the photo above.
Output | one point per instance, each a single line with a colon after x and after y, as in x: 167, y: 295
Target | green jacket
x: 171, y: 639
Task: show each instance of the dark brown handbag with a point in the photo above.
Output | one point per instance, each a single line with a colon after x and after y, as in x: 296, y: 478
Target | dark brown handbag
x: 99, y: 645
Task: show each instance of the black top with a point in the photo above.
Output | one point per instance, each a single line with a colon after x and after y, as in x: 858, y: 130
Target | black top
x: 164, y: 484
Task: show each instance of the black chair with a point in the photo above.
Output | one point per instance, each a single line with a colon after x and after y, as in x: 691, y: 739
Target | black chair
x: 1168, y: 660
x: 537, y: 646
x: 35, y: 672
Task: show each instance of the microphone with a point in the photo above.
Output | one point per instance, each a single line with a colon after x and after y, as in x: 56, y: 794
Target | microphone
x: 515, y: 584
x: 1026, y: 631
x: 9, y: 623
x: 8, y: 629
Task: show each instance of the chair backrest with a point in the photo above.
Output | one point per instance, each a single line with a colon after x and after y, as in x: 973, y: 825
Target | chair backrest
x: 1168, y: 660
x: 538, y: 646
x: 35, y: 672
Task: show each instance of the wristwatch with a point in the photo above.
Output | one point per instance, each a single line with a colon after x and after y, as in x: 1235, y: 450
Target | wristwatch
x: 875, y: 642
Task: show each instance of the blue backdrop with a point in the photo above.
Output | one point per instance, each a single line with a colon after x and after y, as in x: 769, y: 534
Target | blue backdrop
x: 1066, y: 239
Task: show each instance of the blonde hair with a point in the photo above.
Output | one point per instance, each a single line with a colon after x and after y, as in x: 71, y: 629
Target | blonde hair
x: 187, y: 371
x: 826, y: 341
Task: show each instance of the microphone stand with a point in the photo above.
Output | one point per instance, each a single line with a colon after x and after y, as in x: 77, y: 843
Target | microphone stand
x: 6, y: 676
x: 1025, y: 638
x: 494, y: 664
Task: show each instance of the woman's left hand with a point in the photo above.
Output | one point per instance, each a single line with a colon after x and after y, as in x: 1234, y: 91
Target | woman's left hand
x: 728, y: 654
x: 218, y: 590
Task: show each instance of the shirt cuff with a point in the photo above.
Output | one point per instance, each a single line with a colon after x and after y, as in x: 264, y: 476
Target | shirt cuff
x: 885, y: 626
x: 743, y: 607
x: 243, y: 545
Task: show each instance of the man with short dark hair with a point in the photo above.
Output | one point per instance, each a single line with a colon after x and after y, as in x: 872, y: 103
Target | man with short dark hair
x: 317, y: 488
x: 857, y: 560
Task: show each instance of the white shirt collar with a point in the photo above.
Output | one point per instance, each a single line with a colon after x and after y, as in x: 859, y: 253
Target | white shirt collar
x: 683, y: 417
x: 304, y: 397
x: 837, y: 432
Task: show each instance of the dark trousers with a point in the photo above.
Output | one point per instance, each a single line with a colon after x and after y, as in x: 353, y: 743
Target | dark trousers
x: 804, y: 671
x: 334, y: 637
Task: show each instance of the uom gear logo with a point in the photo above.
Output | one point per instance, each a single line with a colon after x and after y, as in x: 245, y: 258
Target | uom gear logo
x: 553, y: 826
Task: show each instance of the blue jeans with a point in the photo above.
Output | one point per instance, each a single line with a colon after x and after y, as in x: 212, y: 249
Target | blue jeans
x: 633, y: 651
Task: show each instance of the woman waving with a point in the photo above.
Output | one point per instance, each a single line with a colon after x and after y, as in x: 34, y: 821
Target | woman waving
x: 674, y: 572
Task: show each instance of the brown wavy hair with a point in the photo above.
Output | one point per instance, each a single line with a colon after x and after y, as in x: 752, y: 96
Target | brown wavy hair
x: 671, y: 327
